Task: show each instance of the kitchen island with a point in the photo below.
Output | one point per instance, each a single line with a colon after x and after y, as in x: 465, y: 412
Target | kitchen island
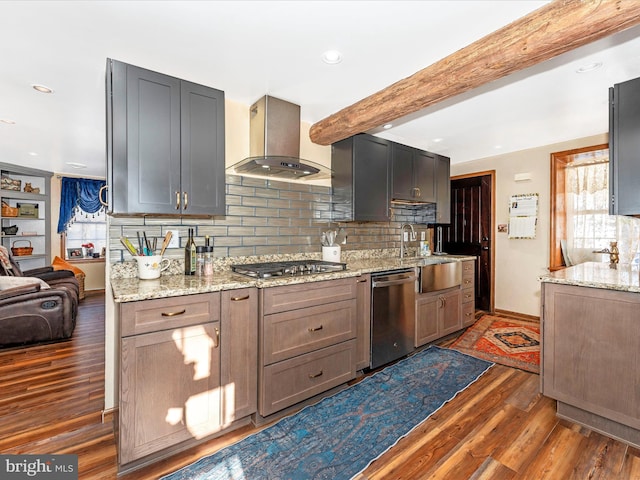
x: 591, y: 347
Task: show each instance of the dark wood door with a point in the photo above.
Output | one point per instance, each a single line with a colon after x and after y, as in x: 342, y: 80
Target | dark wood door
x: 469, y: 232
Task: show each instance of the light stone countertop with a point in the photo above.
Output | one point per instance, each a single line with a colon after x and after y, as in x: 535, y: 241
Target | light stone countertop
x: 621, y: 277
x: 131, y: 289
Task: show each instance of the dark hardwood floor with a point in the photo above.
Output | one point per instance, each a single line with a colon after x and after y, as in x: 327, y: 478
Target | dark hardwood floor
x: 51, y: 397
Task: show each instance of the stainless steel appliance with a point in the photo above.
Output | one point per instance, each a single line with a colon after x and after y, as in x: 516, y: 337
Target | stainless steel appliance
x: 287, y: 268
x: 392, y: 315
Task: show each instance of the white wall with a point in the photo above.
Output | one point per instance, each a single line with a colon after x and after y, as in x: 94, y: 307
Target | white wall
x: 519, y: 263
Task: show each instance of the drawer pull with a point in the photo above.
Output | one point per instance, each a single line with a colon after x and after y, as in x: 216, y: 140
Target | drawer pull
x: 467, y: 282
x: 362, y: 281
x: 315, y: 329
x: 468, y: 314
x: 316, y: 375
x: 216, y: 344
x: 239, y: 299
x: 173, y: 314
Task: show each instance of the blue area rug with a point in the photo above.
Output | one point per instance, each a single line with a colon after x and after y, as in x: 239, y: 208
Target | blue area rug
x: 340, y: 436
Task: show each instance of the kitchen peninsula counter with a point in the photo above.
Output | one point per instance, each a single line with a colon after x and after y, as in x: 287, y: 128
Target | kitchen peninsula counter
x: 590, y: 348
x: 127, y: 287
x: 620, y: 277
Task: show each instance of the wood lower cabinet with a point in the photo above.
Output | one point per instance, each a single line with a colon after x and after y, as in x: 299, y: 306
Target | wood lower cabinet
x: 239, y: 352
x: 468, y: 293
x: 363, y: 322
x: 187, y: 370
x: 437, y: 314
x: 307, y: 341
x: 590, y: 357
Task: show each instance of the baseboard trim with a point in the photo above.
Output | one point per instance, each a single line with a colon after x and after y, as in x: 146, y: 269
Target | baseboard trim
x: 523, y: 316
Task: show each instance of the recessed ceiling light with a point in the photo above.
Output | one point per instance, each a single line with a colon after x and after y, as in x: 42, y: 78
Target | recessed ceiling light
x: 387, y: 126
x: 42, y: 88
x: 437, y: 140
x: 497, y: 147
x: 7, y: 121
x: 33, y: 154
x: 76, y: 165
x: 589, y: 67
x: 332, y: 57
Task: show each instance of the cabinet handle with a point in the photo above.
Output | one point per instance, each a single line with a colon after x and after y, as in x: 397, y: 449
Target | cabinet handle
x: 173, y: 314
x: 186, y: 200
x: 467, y: 282
x: 216, y: 343
x: 362, y: 281
x: 311, y: 375
x: 418, y: 192
x: 238, y: 299
x: 177, y: 200
x: 468, y: 314
x: 315, y: 329
x: 102, y: 189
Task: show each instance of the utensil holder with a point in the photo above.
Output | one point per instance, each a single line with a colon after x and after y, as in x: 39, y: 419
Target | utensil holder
x: 331, y: 254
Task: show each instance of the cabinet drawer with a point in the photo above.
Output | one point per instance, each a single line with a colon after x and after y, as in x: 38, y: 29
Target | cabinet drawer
x: 165, y: 313
x: 292, y: 381
x: 468, y: 314
x: 296, y: 332
x: 468, y: 295
x: 291, y: 297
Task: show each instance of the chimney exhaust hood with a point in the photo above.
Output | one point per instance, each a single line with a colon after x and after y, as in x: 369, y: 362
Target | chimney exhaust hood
x: 274, y: 148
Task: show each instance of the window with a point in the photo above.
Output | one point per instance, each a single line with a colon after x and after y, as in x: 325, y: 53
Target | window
x: 580, y: 220
x: 82, y: 221
x: 85, y: 236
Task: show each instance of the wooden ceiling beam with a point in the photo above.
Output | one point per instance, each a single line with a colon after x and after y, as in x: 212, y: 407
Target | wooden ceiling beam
x: 552, y: 30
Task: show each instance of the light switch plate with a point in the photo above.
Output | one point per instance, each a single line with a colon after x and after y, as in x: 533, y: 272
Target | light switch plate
x: 175, y: 239
x: 423, y: 235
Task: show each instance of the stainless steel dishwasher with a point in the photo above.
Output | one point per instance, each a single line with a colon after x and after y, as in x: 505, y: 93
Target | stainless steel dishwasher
x: 393, y: 309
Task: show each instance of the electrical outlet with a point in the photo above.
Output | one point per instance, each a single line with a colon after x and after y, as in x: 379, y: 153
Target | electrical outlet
x: 405, y: 236
x: 175, y: 239
x: 423, y: 235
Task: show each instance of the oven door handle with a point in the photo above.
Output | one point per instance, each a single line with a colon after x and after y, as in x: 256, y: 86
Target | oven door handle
x: 388, y: 283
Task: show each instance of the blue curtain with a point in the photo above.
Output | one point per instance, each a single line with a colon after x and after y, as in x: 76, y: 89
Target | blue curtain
x: 78, y: 194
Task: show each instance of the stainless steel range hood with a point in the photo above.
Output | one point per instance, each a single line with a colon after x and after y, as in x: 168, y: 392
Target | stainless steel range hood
x: 274, y: 148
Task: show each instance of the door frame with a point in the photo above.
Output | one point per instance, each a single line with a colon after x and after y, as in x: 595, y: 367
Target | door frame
x: 493, y: 233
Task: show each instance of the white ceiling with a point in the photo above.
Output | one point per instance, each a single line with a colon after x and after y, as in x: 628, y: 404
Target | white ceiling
x: 249, y: 49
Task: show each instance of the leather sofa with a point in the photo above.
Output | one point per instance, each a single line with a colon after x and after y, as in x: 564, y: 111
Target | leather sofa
x: 39, y: 305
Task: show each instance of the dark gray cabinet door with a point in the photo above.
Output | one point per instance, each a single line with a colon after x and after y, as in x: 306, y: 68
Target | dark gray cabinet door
x: 153, y: 141
x: 371, y: 188
x: 202, y: 126
x: 402, y: 172
x: 361, y: 178
x: 624, y: 148
x: 443, y: 189
x: 424, y: 176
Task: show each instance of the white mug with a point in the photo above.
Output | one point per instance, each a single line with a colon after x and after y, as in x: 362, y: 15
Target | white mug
x: 331, y: 254
x: 150, y: 266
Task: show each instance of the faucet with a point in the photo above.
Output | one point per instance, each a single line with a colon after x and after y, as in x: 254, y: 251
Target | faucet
x: 412, y: 236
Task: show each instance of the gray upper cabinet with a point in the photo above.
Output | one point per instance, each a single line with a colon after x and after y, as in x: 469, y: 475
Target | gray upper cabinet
x: 361, y: 178
x: 165, y: 144
x: 443, y: 189
x: 624, y: 148
x: 413, y: 174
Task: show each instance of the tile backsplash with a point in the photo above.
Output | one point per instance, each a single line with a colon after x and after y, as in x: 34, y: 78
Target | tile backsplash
x: 268, y: 217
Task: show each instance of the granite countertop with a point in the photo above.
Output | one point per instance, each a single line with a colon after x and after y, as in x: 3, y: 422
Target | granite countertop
x: 131, y: 289
x: 621, y: 277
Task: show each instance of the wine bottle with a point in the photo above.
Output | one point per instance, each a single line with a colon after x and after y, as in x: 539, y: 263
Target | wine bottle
x: 190, y: 255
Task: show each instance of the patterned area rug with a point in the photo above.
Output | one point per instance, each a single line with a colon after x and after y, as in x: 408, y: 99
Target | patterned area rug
x: 515, y: 343
x: 340, y: 436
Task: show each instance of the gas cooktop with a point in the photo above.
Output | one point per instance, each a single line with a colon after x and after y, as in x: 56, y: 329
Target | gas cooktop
x: 288, y: 268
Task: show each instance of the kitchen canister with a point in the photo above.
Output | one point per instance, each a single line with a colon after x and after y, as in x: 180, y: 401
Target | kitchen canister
x: 150, y: 266
x: 331, y: 254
